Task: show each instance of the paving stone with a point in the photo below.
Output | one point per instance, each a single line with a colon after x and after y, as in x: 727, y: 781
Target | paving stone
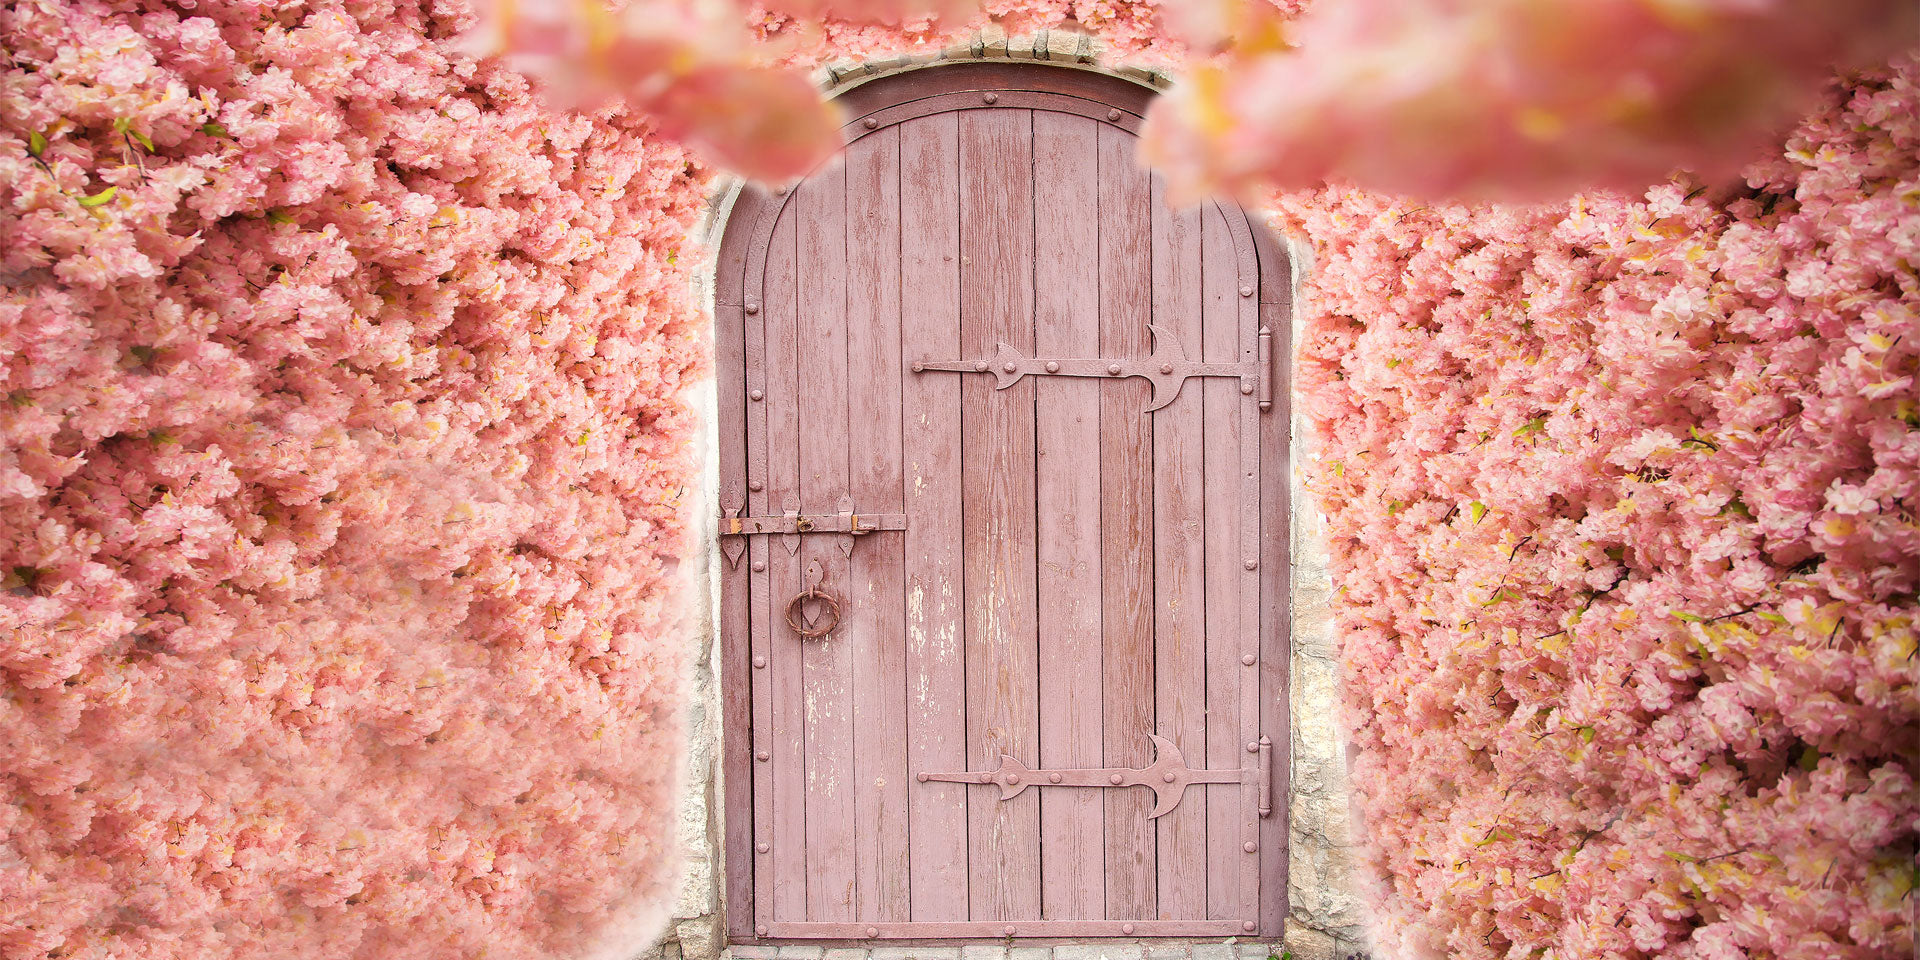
x: 983, y: 953
x: 846, y: 953
x: 753, y: 953
x: 1213, y: 951
x: 1181, y: 952
x: 914, y: 953
x: 1030, y: 953
x: 1104, y: 951
x: 802, y: 953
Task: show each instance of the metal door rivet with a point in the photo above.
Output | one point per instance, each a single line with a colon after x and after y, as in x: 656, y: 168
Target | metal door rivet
x: 873, y: 931
x: 1013, y: 778
x: 759, y: 566
x: 981, y: 366
x: 1009, y: 930
x: 1115, y: 779
x: 918, y: 367
x: 763, y: 756
x: 1114, y: 369
x: 1115, y: 115
x: 1249, y: 847
x: 1250, y: 564
x: 762, y: 848
x: 762, y: 931
x: 1010, y: 366
x: 755, y: 485
x: 1246, y: 291
x: 870, y: 123
x: 1249, y: 926
x: 753, y: 308
x: 757, y: 395
x: 1053, y: 366
x: 1246, y: 388
x: 1253, y: 746
x: 994, y: 98
x: 1169, y: 776
x: 1126, y: 928
x: 1248, y: 660
x: 1166, y: 368
x: 760, y: 663
x: 1054, y: 778
x: 922, y: 778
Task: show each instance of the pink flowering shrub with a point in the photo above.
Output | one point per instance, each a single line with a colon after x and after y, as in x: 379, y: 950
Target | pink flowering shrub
x: 342, y: 459
x: 1621, y: 499
x: 340, y: 462
x: 1502, y: 99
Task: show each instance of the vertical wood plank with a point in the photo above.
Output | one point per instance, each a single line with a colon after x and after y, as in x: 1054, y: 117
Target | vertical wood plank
x: 737, y: 704
x: 875, y: 612
x: 781, y: 579
x: 935, y: 663
x: 1126, y: 524
x: 1276, y: 627
x: 1179, y: 557
x: 1247, y: 810
x: 1067, y: 414
x: 1223, y: 402
x: 820, y: 212
x: 996, y: 242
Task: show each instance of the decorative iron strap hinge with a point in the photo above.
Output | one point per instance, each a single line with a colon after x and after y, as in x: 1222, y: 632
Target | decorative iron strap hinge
x: 1168, y: 777
x: 1167, y: 368
x: 791, y: 524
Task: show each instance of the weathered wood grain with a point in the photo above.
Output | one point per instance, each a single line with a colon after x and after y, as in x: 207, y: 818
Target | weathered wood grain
x: 1179, y: 582
x: 935, y: 619
x: 996, y: 305
x: 875, y: 614
x: 820, y: 224
x: 1126, y: 525
x: 1067, y: 488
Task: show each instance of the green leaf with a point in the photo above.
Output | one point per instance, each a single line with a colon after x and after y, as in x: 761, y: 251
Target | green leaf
x: 100, y: 198
x: 1586, y: 734
x: 279, y: 216
x: 1476, y: 510
x: 1700, y: 441
x: 1394, y: 362
x: 1809, y: 758
x: 212, y: 129
x: 1393, y: 507
x: 1533, y: 426
x: 1773, y: 618
x: 1686, y: 617
x: 36, y: 143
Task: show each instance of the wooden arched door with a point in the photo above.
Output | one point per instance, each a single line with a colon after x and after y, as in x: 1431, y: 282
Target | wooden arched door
x: 1008, y: 433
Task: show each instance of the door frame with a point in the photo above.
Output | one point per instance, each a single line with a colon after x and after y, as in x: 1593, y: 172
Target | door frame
x: 735, y: 232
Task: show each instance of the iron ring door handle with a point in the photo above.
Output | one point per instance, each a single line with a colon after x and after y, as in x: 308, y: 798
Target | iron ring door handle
x: 796, y: 611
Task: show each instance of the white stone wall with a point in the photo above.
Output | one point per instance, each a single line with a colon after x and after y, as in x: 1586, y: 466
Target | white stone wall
x: 1324, y: 919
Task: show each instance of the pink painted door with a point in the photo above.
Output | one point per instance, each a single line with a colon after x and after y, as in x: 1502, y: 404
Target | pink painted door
x: 1003, y: 532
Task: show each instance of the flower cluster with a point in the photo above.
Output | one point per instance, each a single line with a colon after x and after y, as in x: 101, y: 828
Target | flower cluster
x: 1622, y: 505
x: 341, y: 454
x: 1502, y: 99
